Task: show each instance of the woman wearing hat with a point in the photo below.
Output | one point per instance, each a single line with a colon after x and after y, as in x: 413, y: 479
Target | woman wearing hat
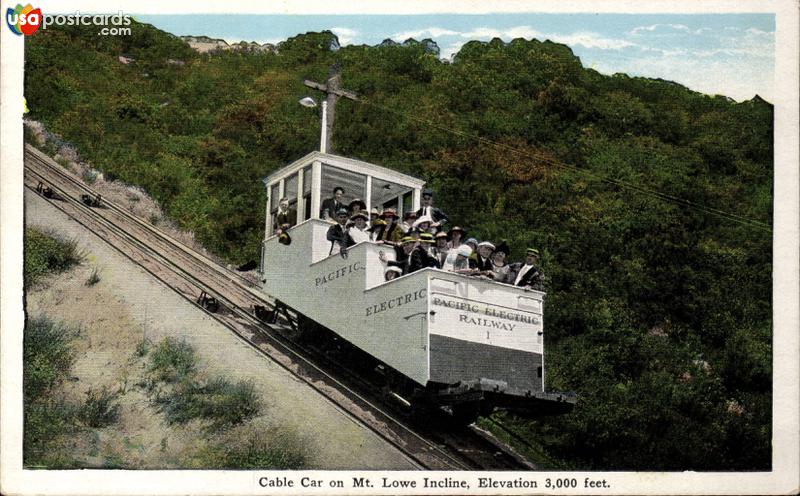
x: 408, y: 221
x: 392, y: 273
x: 459, y: 262
x: 389, y: 231
x: 358, y: 231
x: 500, y: 269
x: 455, y: 236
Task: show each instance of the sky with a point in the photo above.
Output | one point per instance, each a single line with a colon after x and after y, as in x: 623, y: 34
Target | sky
x: 726, y: 54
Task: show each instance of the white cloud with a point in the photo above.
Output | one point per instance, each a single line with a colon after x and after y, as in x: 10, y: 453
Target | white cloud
x: 345, y: 35
x: 758, y: 32
x: 638, y: 31
x: 592, y: 40
x: 432, y: 32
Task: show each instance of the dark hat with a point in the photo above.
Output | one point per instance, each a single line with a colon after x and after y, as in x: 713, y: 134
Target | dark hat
x: 503, y: 247
x: 441, y: 234
x: 361, y: 214
x: 389, y: 212
x: 532, y: 251
x: 456, y: 228
x: 361, y: 205
x: 427, y: 192
x: 426, y: 237
x: 407, y: 239
x: 409, y: 215
x: 342, y: 211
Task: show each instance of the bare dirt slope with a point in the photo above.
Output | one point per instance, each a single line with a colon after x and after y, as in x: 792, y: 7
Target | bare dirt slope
x: 127, y: 305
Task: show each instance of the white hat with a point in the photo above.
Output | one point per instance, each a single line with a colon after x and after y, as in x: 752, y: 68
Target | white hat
x: 393, y: 269
x: 424, y: 218
x: 486, y: 243
x: 464, y: 250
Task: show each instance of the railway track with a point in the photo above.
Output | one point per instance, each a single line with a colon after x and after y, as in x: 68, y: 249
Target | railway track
x: 191, y: 275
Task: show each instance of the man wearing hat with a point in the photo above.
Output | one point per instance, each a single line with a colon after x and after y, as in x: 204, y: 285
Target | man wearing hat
x: 330, y: 206
x: 438, y: 217
x: 285, y: 217
x: 440, y: 250
x: 529, y: 276
x: 485, y: 249
x: 337, y: 234
x: 416, y: 257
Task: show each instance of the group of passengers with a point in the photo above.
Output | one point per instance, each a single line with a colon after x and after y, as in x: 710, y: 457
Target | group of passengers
x: 420, y: 240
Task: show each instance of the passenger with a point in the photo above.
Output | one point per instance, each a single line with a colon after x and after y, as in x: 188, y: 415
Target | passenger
x: 374, y: 215
x: 408, y: 221
x: 460, y: 263
x: 357, y: 205
x: 389, y: 231
x: 285, y: 217
x: 473, y: 257
x: 416, y: 257
x: 528, y: 275
x: 485, y: 249
x: 440, y: 250
x: 392, y: 273
x: 455, y: 235
x: 500, y: 269
x: 423, y: 223
x: 438, y: 218
x: 358, y: 231
x: 427, y: 242
x: 332, y: 205
x: 337, y: 234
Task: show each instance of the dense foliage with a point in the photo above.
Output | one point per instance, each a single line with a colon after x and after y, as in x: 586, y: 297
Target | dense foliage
x: 45, y: 254
x: 658, y: 312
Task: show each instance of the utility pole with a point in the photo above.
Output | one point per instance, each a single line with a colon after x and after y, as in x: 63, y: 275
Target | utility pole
x: 332, y: 90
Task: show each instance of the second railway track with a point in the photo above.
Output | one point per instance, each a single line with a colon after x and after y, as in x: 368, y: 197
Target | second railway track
x: 191, y: 274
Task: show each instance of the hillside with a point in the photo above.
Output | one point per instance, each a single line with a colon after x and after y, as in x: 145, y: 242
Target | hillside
x: 648, y: 201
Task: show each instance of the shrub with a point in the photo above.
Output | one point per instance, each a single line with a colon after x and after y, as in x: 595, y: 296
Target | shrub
x: 89, y: 176
x: 47, y: 356
x: 142, y: 347
x: 99, y: 409
x: 47, y: 252
x: 172, y: 360
x: 274, y: 451
x: 47, y: 359
x: 94, y: 278
x: 218, y: 400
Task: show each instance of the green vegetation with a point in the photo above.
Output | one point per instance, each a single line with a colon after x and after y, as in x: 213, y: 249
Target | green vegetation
x: 47, y: 361
x: 93, y: 278
x: 99, y: 410
x: 187, y: 397
x: 45, y: 253
x: 172, y: 360
x: 658, y: 312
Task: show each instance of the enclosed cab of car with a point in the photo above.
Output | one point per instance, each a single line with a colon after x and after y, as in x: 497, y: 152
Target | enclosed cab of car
x: 458, y: 339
